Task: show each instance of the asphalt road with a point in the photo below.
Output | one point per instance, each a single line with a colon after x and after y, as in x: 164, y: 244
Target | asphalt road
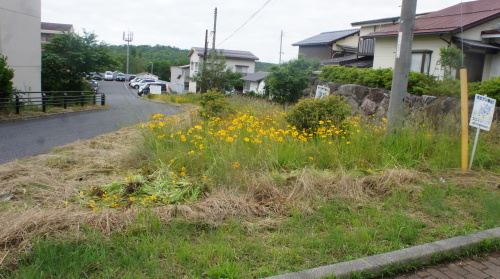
x: 32, y: 137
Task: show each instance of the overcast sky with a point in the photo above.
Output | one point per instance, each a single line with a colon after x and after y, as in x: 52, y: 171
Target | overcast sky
x: 183, y: 23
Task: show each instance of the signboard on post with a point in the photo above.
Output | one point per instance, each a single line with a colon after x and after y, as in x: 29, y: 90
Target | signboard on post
x: 481, y: 118
x: 155, y: 89
x: 322, y: 92
x: 482, y: 112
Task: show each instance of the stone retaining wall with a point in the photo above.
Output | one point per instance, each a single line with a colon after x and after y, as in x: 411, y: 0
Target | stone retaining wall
x: 375, y: 101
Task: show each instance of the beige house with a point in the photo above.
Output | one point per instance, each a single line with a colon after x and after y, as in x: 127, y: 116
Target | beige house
x: 48, y: 30
x: 472, y: 26
x: 237, y: 61
x: 20, y: 41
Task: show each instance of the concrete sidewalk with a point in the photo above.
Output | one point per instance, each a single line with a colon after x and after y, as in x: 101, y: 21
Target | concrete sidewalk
x: 417, y: 254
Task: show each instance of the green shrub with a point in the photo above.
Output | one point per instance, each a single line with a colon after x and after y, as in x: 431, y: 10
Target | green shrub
x: 418, y: 83
x: 308, y: 113
x: 6, y: 75
x: 215, y: 104
x: 490, y: 88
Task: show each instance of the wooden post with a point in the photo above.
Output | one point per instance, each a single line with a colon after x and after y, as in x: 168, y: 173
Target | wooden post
x: 464, y: 117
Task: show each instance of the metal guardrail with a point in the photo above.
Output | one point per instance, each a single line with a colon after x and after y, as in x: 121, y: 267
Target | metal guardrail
x: 44, y: 99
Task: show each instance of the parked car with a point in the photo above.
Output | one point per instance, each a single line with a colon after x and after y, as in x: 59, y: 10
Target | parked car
x: 146, y: 88
x: 136, y: 79
x: 131, y: 77
x: 108, y: 75
x: 95, y: 76
x: 120, y: 77
x: 137, y: 84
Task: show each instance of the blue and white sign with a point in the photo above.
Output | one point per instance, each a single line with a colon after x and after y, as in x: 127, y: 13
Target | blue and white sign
x: 322, y: 92
x: 482, y: 113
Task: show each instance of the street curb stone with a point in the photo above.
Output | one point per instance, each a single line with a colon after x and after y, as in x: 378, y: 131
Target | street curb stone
x: 416, y: 254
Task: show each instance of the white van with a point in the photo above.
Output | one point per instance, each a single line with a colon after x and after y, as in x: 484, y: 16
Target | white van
x: 108, y: 75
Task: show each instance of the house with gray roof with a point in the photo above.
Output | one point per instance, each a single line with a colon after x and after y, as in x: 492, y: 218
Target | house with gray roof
x: 328, y: 45
x: 255, y: 82
x: 49, y: 29
x: 238, y: 61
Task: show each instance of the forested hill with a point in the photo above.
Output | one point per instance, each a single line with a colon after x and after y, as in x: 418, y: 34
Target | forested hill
x: 144, y: 58
x: 152, y: 53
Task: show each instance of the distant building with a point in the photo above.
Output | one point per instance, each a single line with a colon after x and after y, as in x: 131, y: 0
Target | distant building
x: 255, y: 82
x: 20, y: 41
x: 237, y: 61
x: 328, y: 45
x: 179, y: 78
x: 49, y: 29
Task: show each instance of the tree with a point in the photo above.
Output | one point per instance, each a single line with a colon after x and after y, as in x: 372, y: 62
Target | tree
x: 287, y: 81
x: 69, y: 58
x: 214, y: 74
x: 451, y: 60
x: 6, y: 75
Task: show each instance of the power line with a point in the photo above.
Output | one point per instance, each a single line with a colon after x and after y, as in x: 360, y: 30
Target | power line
x: 247, y: 21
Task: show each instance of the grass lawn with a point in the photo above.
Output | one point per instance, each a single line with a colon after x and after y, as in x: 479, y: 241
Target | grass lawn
x: 241, y: 196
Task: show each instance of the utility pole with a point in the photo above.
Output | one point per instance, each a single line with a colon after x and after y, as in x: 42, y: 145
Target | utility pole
x: 203, y: 74
x: 402, y: 66
x: 129, y: 37
x: 281, y: 46
x: 215, y: 27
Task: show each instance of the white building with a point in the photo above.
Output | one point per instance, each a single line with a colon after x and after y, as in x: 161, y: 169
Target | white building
x: 255, y: 82
x: 20, y: 41
x: 179, y: 78
x: 237, y: 61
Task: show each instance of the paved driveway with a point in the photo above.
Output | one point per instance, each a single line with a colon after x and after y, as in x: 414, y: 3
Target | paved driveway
x: 21, y: 139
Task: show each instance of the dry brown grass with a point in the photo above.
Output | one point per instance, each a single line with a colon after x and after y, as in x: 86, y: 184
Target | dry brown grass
x: 36, y: 189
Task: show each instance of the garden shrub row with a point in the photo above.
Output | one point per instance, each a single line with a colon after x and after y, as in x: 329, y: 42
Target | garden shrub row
x: 418, y: 83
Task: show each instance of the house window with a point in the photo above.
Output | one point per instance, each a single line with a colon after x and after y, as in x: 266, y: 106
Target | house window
x: 421, y: 61
x: 194, y: 66
x: 241, y: 69
x: 246, y: 86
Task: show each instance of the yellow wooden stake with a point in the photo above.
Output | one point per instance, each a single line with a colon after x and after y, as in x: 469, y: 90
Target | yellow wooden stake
x: 464, y: 117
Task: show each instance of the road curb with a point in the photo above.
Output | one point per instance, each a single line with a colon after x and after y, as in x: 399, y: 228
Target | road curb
x: 417, y: 254
x: 45, y: 115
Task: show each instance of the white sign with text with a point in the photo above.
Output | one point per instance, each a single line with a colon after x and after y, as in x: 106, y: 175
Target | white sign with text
x: 482, y: 113
x: 322, y: 91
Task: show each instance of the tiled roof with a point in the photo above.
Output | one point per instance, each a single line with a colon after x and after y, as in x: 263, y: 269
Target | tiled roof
x: 386, y: 20
x: 56, y: 26
x: 450, y: 20
x: 326, y: 37
x: 239, y: 54
x: 256, y: 76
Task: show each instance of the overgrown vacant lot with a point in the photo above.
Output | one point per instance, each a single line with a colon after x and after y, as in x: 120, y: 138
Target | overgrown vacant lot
x: 243, y: 196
